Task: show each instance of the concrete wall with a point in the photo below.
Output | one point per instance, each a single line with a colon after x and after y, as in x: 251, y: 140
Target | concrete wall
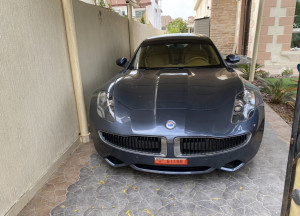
x: 39, y: 124
x: 102, y: 37
x: 38, y: 118
x: 142, y: 31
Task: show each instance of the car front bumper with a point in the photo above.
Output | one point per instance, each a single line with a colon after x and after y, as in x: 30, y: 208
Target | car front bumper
x: 228, y: 160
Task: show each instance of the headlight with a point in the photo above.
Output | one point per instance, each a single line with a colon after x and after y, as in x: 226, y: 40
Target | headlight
x: 105, y: 106
x: 244, y: 106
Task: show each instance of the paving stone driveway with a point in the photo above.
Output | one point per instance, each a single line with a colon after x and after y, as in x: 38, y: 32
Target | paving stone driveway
x: 256, y: 189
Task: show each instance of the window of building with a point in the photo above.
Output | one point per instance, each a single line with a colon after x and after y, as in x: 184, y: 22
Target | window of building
x: 139, y: 14
x: 296, y: 31
x: 123, y: 13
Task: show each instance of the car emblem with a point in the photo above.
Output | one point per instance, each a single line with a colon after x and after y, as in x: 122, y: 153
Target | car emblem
x: 170, y: 124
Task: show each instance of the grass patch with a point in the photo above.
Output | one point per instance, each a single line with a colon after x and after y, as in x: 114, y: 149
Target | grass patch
x: 287, y: 82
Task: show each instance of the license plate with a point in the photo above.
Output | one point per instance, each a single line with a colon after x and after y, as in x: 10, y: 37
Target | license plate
x: 170, y: 161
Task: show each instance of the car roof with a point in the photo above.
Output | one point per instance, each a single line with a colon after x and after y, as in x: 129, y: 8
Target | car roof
x: 179, y: 36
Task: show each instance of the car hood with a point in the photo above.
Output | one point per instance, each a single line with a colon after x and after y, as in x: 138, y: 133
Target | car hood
x: 191, y: 89
x: 200, y: 101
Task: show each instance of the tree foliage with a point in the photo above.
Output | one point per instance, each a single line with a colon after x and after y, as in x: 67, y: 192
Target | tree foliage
x: 101, y: 3
x: 142, y: 20
x: 177, y: 26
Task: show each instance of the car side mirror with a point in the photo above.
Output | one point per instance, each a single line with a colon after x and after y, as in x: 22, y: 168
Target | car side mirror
x: 232, y: 59
x: 121, y: 61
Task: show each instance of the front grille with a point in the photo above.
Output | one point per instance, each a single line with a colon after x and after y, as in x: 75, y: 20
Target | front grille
x: 201, y: 145
x: 137, y: 143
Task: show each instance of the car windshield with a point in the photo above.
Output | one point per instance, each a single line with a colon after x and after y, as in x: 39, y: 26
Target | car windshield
x: 176, y: 55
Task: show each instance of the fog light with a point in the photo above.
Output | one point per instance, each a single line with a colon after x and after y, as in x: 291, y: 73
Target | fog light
x: 238, y: 107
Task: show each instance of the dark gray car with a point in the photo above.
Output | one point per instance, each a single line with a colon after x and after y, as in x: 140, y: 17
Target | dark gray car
x: 177, y: 108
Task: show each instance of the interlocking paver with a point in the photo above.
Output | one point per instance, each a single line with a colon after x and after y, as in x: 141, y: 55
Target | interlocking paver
x: 256, y: 189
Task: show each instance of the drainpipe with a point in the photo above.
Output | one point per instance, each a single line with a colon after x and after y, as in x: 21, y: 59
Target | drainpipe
x: 129, y: 10
x: 76, y: 75
x: 236, y: 36
x: 256, y: 39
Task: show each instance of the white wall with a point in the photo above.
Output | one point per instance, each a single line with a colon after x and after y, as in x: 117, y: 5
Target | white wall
x: 202, y: 8
x: 153, y: 13
x: 38, y: 118
x: 120, y: 9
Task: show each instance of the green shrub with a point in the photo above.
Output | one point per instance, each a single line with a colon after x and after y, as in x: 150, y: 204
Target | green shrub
x: 245, y: 69
x: 277, y: 92
x: 142, y: 20
x: 287, y: 72
x: 262, y: 73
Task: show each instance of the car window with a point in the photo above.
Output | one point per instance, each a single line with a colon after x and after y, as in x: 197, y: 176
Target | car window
x: 174, y: 55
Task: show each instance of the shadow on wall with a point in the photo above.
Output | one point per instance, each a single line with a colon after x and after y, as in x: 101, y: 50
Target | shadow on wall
x: 102, y: 37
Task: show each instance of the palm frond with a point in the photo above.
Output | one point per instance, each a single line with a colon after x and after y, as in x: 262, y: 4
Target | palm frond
x: 277, y: 92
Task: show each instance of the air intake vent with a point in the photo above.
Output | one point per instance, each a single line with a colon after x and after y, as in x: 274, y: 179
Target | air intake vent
x: 202, y: 145
x: 137, y: 143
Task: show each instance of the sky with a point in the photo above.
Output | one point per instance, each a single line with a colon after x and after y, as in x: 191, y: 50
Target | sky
x: 178, y: 8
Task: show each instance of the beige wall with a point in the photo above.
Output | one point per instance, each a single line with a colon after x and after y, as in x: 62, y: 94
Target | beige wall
x: 279, y: 33
x: 276, y: 34
x: 142, y: 31
x: 102, y: 37
x: 38, y: 120
x: 39, y: 124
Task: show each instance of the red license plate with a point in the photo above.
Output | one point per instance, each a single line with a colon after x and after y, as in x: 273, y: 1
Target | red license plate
x: 170, y: 161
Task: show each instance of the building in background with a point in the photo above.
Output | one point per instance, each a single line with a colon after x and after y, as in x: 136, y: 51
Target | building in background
x: 149, y: 9
x: 202, y: 8
x: 165, y: 20
x: 231, y: 25
x: 202, y: 19
x: 190, y: 23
